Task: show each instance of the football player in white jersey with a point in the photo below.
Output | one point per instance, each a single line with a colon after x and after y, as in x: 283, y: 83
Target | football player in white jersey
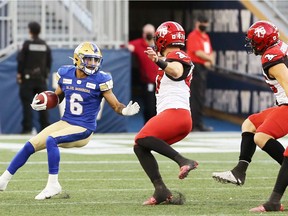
x: 264, y: 128
x: 173, y: 120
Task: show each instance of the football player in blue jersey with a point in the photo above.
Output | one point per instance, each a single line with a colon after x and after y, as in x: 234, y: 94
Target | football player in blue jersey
x: 83, y: 86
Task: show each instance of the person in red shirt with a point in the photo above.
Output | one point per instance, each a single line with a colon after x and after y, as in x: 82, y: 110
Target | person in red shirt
x: 148, y: 70
x: 200, y: 50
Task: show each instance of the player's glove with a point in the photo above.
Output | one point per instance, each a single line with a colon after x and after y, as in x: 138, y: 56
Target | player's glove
x: 37, y: 106
x: 131, y: 109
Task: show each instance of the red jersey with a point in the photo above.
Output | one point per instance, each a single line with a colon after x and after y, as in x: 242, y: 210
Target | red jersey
x: 274, y: 121
x: 274, y: 55
x: 148, y: 69
x: 198, y: 41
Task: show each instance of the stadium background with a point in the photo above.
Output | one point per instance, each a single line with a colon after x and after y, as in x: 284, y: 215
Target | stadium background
x: 235, y: 88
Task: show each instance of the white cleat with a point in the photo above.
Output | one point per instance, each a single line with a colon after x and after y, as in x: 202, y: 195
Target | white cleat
x: 229, y: 177
x: 49, y: 191
x: 3, y: 183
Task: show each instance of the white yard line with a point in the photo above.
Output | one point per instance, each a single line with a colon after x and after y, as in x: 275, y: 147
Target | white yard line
x: 268, y: 161
x: 126, y: 179
x: 196, y: 142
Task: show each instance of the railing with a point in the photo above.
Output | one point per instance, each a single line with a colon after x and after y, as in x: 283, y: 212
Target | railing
x: 64, y: 23
x: 8, y: 29
x: 273, y: 11
x: 278, y: 11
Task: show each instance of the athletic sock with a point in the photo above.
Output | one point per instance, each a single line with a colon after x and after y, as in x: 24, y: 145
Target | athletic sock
x: 20, y: 158
x: 180, y: 160
x: 52, y: 179
x: 158, y: 146
x: 282, y: 179
x: 247, y: 147
x: 273, y: 204
x: 53, y: 155
x: 159, y: 184
x: 281, y: 184
x: 161, y: 192
x: 148, y: 162
x: 241, y: 167
x: 275, y: 150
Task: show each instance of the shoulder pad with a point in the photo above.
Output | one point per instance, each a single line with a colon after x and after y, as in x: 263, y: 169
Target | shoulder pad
x: 104, y: 76
x: 180, y: 56
x: 64, y: 70
x: 274, y: 53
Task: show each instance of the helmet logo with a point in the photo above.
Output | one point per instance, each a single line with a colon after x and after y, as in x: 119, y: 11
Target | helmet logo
x: 178, y: 36
x: 270, y: 57
x: 260, y: 32
x: 162, y: 31
x: 181, y: 55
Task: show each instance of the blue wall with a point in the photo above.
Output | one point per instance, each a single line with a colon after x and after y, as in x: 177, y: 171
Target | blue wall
x: 117, y: 62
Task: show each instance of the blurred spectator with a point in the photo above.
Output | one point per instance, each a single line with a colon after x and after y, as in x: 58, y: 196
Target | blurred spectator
x: 34, y: 63
x: 200, y: 50
x: 148, y: 70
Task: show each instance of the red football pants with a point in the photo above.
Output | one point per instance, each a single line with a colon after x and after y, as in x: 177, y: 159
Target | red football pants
x: 171, y: 126
x: 272, y: 121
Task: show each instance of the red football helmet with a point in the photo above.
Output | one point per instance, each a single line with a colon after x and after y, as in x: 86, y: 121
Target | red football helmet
x: 169, y: 33
x: 260, y: 36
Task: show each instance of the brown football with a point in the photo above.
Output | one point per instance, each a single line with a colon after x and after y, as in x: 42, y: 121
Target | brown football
x: 50, y: 97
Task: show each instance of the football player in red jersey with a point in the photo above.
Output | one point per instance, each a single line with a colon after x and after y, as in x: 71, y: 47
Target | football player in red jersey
x: 264, y: 128
x: 173, y: 120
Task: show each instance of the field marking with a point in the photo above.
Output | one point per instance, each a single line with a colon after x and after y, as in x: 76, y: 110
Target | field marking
x: 120, y: 162
x: 127, y: 179
x: 123, y: 143
x: 196, y: 142
x: 142, y: 189
x: 49, y: 202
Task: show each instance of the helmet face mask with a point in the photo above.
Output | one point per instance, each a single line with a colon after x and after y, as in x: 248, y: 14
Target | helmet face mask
x: 251, y: 47
x: 88, y: 58
x: 248, y: 46
x: 260, y: 36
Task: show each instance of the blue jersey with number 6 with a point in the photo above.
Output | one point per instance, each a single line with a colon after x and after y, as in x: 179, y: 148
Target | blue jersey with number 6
x: 83, y: 96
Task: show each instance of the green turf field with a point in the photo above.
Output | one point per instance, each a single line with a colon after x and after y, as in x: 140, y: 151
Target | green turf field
x: 117, y: 185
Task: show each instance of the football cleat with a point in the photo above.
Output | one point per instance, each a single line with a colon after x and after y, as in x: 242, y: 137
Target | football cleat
x: 3, y: 183
x: 261, y: 208
x: 159, y: 196
x: 49, y: 191
x: 153, y: 201
x: 176, y: 199
x: 150, y: 201
x: 184, y: 170
x: 229, y: 177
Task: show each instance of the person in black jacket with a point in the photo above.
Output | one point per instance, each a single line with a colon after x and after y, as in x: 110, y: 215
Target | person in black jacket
x: 34, y: 63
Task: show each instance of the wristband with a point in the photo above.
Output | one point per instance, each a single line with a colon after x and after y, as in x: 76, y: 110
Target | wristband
x: 162, y: 64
